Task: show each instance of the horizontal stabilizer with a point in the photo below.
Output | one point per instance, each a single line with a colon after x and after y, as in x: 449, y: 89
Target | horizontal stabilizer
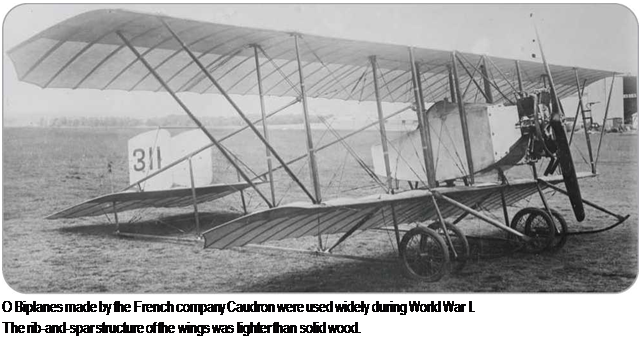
x: 131, y: 200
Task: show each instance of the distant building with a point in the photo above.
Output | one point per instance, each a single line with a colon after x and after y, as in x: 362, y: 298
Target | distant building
x: 630, y: 107
x: 623, y: 102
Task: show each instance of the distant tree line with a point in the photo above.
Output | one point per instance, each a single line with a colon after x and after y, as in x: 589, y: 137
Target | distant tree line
x: 90, y: 122
x: 168, y: 121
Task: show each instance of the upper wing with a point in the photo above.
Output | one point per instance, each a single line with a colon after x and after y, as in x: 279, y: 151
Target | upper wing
x: 85, y: 52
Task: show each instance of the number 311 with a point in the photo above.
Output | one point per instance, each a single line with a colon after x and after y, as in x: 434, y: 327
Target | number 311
x: 146, y: 158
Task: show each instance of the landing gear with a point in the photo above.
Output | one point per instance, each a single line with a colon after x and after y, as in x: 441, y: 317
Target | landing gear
x: 560, y: 235
x: 459, y: 249
x: 425, y: 255
x: 536, y: 224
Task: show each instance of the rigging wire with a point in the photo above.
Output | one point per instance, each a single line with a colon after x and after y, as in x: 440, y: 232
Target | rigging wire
x: 305, y: 163
x: 278, y: 68
x: 390, y: 144
x: 339, y: 170
x: 385, y: 83
x: 358, y: 159
x: 327, y: 68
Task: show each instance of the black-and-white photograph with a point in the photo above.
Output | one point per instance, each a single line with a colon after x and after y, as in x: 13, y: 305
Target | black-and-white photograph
x: 477, y: 148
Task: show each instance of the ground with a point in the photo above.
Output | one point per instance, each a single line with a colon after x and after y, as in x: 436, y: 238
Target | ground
x: 46, y: 170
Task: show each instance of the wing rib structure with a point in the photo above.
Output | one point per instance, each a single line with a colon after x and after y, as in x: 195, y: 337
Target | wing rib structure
x: 339, y: 216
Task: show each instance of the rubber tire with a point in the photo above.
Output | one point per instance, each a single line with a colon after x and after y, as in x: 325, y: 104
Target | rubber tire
x: 525, y: 228
x: 560, y: 237
x: 460, y: 243
x: 567, y: 169
x: 514, y: 224
x: 425, y: 237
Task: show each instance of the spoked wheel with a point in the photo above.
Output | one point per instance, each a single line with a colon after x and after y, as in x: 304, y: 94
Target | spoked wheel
x: 560, y: 235
x: 536, y: 224
x: 424, y: 254
x: 459, y: 250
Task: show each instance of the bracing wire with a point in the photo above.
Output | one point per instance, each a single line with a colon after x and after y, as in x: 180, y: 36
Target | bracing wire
x: 339, y: 170
x: 327, y: 68
x: 305, y: 163
x: 278, y: 68
x: 358, y: 159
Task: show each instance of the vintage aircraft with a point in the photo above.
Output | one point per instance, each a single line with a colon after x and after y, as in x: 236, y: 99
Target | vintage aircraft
x: 509, y: 114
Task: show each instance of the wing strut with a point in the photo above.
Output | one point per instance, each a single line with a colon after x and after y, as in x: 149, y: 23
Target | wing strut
x: 381, y: 126
x: 240, y: 113
x: 194, y: 118
x: 587, y: 135
x: 383, y: 132
x: 579, y: 109
x: 605, y: 117
x: 486, y: 81
x: 423, y: 124
x: 461, y: 108
x: 450, y: 81
x: 194, y: 198
x: 313, y: 167
x: 268, y: 154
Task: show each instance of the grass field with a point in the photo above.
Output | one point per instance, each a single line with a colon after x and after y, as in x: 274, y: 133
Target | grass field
x: 46, y: 170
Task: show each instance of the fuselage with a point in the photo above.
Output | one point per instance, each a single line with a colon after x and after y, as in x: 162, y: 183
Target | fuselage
x: 495, y: 141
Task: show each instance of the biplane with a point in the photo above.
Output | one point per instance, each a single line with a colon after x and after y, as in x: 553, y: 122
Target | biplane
x: 499, y: 112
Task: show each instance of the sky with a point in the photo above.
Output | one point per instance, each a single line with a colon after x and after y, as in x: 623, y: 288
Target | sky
x: 600, y: 36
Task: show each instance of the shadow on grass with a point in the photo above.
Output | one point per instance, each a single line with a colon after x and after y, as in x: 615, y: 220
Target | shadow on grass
x: 180, y: 225
x: 336, y: 275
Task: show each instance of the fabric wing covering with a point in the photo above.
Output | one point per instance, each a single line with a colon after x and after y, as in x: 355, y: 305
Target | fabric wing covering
x: 86, y: 52
x: 340, y: 216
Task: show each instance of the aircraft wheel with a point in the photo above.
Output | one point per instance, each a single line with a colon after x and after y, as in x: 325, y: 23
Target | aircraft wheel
x: 560, y: 237
x: 518, y: 224
x: 424, y: 254
x: 536, y: 224
x: 459, y: 246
